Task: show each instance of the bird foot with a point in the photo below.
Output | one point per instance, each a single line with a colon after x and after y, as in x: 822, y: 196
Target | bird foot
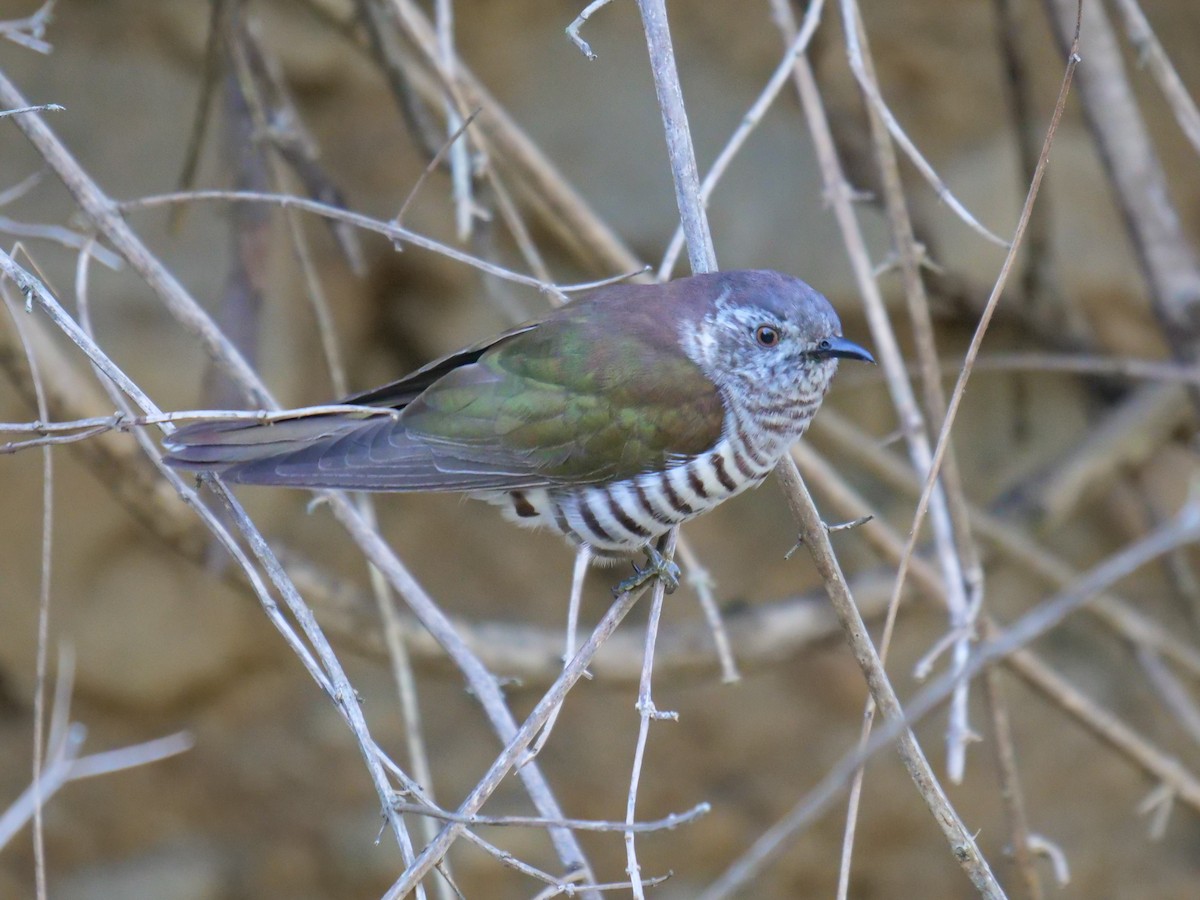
x: 657, y: 566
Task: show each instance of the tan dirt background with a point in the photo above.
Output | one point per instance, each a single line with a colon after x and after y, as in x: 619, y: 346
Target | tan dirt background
x: 273, y: 800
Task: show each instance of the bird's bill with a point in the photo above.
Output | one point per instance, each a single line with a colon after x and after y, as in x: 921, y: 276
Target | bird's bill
x: 841, y: 348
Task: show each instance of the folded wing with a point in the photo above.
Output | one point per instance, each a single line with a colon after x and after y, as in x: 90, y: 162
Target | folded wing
x: 584, y: 396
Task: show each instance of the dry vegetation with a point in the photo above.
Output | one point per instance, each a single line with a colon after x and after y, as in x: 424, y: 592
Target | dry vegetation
x: 252, y: 204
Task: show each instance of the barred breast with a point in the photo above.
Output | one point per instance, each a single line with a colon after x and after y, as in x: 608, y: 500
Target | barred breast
x: 616, y: 520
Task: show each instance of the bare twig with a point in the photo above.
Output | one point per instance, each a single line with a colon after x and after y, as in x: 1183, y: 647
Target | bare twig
x: 580, y: 20
x: 1151, y: 54
x: 1052, y: 852
x: 395, y: 232
x: 539, y: 182
x: 432, y: 165
x: 30, y: 31
x: 43, y: 618
x: 515, y: 745
x: 927, y: 493
x: 1182, y: 707
x: 701, y: 253
x: 461, y: 175
x: 1167, y: 260
x: 699, y: 579
x: 897, y: 725
x: 850, y: 15
x: 21, y: 188
x: 966, y: 602
x: 64, y: 765
x: 1010, y: 781
x: 647, y: 713
x: 583, y: 560
x: 571, y: 888
x: 887, y: 348
x: 797, y: 47
x: 60, y: 235
x: 25, y: 110
x: 1181, y: 530
x: 666, y: 823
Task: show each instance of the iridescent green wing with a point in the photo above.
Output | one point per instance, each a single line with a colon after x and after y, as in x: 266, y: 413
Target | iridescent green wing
x: 599, y: 392
x: 595, y: 392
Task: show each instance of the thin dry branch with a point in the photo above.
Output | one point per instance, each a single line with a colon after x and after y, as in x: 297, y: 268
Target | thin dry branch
x: 63, y: 764
x: 580, y: 20
x: 1167, y: 259
x: 1121, y: 616
x: 1151, y: 54
x: 43, y: 617
x: 515, y: 745
x: 887, y: 348
x: 59, y: 235
x: 396, y: 233
x: 100, y: 209
x: 965, y: 602
x: 666, y: 823
x: 897, y: 726
x: 1021, y: 845
x: 749, y: 122
x: 701, y: 253
x: 30, y: 31
x: 854, y: 51
x: 1182, y: 530
x: 550, y: 196
x: 889, y: 545
x: 943, y: 441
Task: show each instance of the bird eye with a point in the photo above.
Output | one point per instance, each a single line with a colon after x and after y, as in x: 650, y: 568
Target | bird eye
x: 766, y: 335
x: 824, y: 346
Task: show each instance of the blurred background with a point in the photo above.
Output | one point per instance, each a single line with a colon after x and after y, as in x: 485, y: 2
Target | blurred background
x: 338, y: 100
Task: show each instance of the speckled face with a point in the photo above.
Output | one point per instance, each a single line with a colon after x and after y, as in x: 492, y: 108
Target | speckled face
x: 761, y: 342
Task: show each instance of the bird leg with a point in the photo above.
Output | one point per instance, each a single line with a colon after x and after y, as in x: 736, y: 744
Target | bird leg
x: 657, y: 566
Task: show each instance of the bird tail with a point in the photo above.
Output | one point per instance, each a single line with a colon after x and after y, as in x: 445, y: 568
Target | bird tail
x: 342, y: 451
x: 236, y: 447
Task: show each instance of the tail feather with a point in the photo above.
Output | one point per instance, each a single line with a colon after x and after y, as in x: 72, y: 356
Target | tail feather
x: 341, y: 452
x: 219, y: 445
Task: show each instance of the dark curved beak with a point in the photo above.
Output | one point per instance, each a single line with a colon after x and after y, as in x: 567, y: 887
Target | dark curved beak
x: 843, y: 349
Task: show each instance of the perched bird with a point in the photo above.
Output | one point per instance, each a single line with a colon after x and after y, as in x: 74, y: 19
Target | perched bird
x: 610, y: 420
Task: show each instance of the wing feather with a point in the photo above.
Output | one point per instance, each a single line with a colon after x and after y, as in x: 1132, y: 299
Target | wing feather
x: 598, y: 390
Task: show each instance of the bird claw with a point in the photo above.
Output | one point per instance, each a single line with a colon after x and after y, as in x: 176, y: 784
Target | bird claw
x: 657, y: 566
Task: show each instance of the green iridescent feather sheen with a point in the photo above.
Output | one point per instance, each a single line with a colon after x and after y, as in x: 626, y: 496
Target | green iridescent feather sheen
x: 593, y: 394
